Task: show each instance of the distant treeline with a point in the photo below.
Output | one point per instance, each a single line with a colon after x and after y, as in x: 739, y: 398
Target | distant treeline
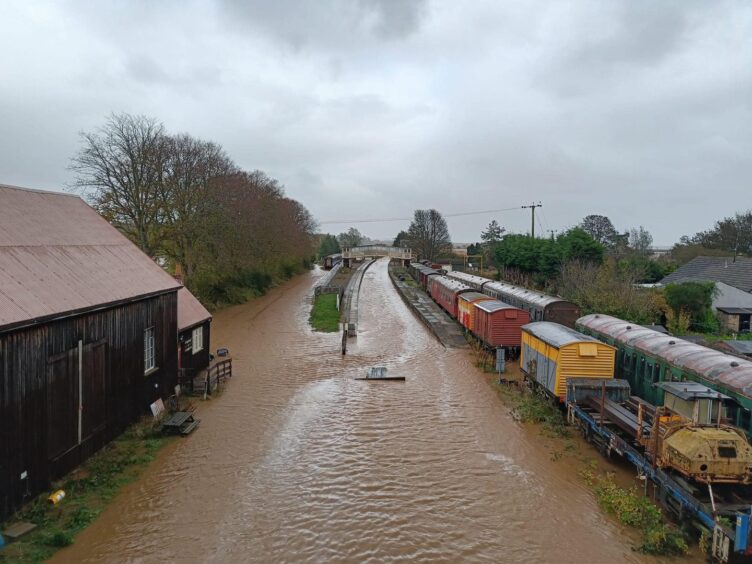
x: 229, y: 233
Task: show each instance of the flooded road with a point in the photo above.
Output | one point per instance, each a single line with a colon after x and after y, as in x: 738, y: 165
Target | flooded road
x: 297, y: 461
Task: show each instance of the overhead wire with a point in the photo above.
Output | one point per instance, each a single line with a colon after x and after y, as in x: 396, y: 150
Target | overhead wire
x: 380, y: 220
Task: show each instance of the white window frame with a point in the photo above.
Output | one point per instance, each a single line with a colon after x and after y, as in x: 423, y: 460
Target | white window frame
x: 198, y: 339
x: 149, y: 350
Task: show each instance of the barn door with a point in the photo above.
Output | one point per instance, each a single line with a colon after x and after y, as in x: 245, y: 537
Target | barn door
x: 94, y: 400
x: 62, y: 403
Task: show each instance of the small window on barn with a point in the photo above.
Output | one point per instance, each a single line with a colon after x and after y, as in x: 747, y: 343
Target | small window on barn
x: 588, y: 349
x: 149, y: 363
x: 198, y: 339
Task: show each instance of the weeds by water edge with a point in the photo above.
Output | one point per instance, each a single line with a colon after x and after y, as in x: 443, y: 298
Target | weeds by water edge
x: 88, y: 490
x: 635, y: 510
x: 631, y: 508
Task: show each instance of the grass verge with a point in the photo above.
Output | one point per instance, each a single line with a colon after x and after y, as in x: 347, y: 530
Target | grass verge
x: 635, y: 510
x: 325, y: 315
x: 88, y: 490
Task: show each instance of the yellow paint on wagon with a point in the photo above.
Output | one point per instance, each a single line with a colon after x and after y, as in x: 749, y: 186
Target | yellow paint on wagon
x: 578, y: 359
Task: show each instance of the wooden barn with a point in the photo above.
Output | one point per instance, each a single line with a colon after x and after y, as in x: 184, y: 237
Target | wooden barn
x: 88, y: 333
x: 194, y: 325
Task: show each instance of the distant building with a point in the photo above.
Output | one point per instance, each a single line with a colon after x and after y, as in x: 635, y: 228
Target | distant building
x: 733, y: 280
x: 88, y: 333
x: 741, y: 348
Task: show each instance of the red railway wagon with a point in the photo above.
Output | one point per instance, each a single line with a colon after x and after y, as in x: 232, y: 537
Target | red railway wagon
x: 498, y: 324
x: 465, y: 309
x: 445, y: 291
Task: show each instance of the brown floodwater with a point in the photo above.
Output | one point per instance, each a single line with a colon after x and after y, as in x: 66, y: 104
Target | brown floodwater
x: 297, y: 461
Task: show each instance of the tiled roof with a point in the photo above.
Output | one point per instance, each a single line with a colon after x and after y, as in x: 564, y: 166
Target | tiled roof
x: 717, y: 269
x: 59, y: 257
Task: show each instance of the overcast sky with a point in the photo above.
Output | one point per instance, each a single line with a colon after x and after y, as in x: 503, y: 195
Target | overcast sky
x: 641, y: 111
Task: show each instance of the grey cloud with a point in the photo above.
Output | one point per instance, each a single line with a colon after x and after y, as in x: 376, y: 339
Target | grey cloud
x: 371, y: 108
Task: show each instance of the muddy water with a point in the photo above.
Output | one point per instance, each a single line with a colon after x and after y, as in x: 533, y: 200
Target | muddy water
x: 299, y: 462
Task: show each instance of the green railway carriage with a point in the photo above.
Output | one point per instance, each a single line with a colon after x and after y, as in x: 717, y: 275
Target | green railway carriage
x: 646, y: 357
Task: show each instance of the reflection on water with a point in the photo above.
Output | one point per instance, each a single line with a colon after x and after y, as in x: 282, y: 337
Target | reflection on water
x: 298, y: 461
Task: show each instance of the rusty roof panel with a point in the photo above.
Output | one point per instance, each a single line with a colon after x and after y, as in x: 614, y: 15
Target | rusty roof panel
x: 58, y: 256
x: 730, y: 371
x: 190, y: 311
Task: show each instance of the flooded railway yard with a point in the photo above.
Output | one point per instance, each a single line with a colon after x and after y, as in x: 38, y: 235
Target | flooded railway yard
x: 297, y: 461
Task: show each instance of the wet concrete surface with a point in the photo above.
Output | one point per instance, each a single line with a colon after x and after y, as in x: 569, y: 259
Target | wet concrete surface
x: 297, y: 461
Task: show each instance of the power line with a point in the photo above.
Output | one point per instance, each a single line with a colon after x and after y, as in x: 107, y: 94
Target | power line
x: 380, y: 220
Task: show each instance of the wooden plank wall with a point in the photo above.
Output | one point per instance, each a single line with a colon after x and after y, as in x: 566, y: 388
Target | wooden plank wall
x: 39, y: 389
x: 195, y: 362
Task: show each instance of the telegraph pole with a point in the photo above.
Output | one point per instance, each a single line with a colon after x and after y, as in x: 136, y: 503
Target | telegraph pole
x: 532, y: 209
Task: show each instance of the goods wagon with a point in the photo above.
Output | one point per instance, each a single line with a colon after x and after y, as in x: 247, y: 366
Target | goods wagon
x: 465, y: 309
x: 541, y: 307
x: 498, y: 324
x: 471, y: 280
x: 424, y: 273
x: 444, y: 291
x: 552, y: 353
x: 646, y: 358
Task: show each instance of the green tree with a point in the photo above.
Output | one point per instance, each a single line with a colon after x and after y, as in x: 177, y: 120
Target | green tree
x: 695, y: 299
x: 328, y: 246
x: 577, y: 244
x: 401, y: 239
x: 350, y: 238
x: 600, y: 228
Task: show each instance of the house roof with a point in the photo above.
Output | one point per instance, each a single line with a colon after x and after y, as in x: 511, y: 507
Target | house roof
x: 739, y: 347
x: 59, y: 257
x: 190, y: 311
x: 716, y: 269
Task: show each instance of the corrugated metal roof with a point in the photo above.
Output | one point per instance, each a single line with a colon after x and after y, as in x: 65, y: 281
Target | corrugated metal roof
x: 555, y: 334
x: 58, y: 257
x: 471, y: 279
x: 730, y: 371
x: 475, y: 296
x: 447, y: 282
x: 530, y: 296
x: 691, y: 390
x: 190, y: 311
x: 494, y: 305
x: 720, y: 269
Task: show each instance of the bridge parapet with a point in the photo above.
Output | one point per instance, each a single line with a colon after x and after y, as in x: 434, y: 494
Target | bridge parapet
x: 363, y: 251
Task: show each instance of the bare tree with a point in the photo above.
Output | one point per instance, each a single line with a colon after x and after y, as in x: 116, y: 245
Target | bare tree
x: 640, y: 240
x: 428, y: 234
x: 191, y: 168
x: 120, y: 169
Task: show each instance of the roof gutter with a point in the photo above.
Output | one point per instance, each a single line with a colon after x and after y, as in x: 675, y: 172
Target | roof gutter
x: 26, y: 324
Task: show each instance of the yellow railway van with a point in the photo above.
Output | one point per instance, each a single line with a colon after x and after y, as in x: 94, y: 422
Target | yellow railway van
x: 551, y: 353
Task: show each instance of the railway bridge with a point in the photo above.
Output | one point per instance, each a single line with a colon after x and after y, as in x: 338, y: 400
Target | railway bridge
x: 351, y: 254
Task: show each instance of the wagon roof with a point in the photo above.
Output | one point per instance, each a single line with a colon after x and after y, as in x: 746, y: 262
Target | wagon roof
x: 464, y: 276
x: 59, y: 257
x: 495, y: 305
x: 555, y: 334
x: 531, y: 296
x: 190, y: 311
x: 450, y: 283
x: 475, y: 296
x: 733, y: 372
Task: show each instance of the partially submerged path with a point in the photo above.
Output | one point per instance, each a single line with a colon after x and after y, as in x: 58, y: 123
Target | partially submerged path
x: 298, y: 461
